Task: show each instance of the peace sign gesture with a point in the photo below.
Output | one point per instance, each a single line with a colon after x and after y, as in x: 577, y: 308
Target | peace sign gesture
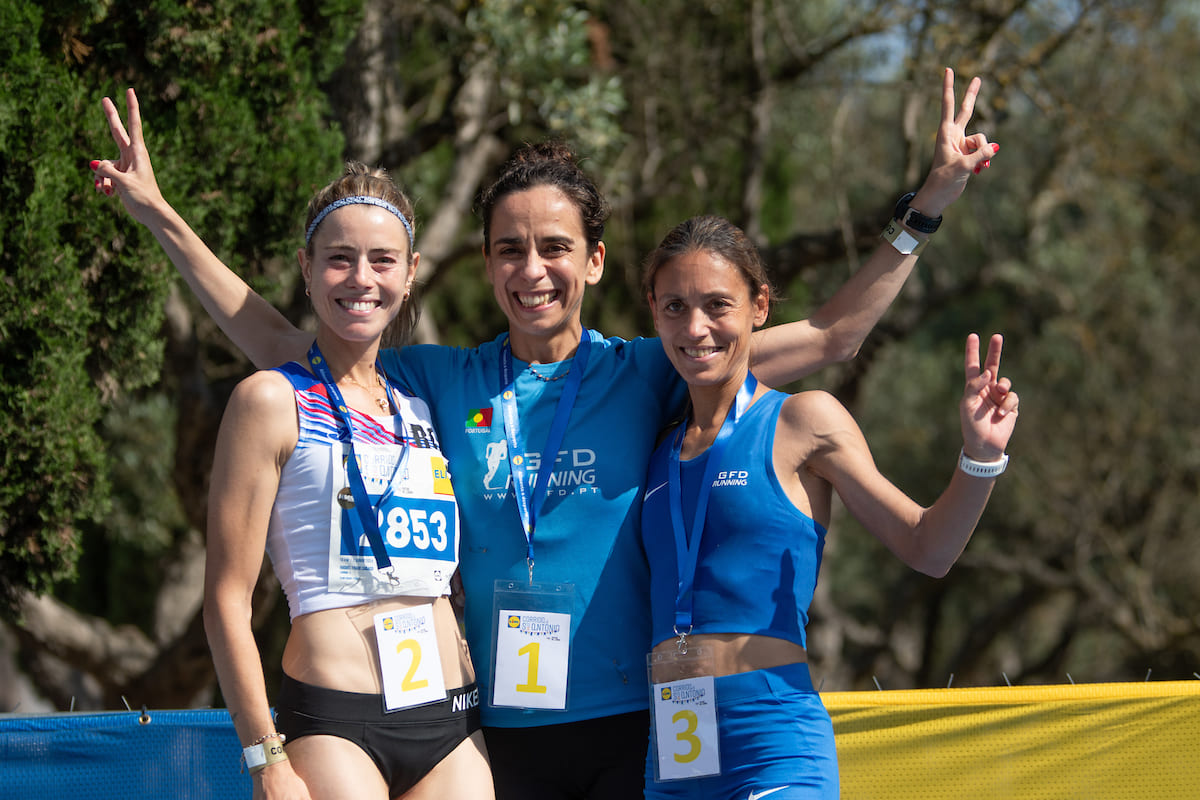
x: 989, y: 406
x: 956, y: 156
x: 131, y: 176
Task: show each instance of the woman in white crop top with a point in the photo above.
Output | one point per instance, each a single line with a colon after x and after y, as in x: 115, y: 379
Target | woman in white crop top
x: 379, y: 695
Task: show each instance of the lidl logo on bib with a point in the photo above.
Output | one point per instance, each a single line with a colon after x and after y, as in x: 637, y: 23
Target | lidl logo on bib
x: 686, y: 694
x: 537, y: 625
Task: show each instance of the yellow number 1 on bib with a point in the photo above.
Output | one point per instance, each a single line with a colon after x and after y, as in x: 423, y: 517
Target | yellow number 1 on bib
x: 531, y: 685
x: 532, y: 651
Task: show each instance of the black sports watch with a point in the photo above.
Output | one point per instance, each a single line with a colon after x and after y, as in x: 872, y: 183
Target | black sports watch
x: 911, y: 218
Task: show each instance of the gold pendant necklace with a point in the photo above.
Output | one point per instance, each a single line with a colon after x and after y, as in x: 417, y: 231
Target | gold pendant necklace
x: 383, y: 403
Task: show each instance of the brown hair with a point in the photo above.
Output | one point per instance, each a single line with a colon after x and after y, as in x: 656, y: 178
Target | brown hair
x: 715, y: 235
x: 547, y: 164
x: 359, y: 180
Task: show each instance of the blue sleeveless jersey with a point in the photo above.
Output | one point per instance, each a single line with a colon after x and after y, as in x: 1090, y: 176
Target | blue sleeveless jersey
x: 759, y: 554
x: 587, y: 532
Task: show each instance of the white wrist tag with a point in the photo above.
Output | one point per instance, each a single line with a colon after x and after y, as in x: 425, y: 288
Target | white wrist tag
x: 982, y: 469
x: 902, y: 240
x: 255, y: 755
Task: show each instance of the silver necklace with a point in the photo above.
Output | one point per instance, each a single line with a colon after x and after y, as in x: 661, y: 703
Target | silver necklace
x: 544, y: 379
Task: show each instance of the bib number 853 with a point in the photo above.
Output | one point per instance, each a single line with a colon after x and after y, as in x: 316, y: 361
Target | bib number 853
x: 417, y: 527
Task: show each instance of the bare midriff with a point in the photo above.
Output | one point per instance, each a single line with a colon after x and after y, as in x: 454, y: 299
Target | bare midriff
x: 740, y: 652
x: 337, y: 648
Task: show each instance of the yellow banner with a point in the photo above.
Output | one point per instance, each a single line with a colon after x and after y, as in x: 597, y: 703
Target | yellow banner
x: 1117, y: 741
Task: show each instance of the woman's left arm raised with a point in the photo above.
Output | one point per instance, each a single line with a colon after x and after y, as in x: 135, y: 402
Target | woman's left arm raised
x: 789, y: 352
x: 928, y: 539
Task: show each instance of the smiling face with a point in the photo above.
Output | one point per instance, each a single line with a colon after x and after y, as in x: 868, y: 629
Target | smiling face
x: 539, y: 265
x: 705, y: 315
x: 358, y: 271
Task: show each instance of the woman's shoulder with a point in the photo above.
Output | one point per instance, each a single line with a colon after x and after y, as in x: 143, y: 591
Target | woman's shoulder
x: 815, y: 412
x: 264, y: 391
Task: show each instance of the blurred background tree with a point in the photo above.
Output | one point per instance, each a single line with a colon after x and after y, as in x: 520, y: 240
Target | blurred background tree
x: 802, y: 121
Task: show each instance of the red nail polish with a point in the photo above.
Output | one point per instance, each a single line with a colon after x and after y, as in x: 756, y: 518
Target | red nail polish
x: 995, y: 149
x: 987, y: 163
x: 978, y: 168
x: 108, y: 190
x: 97, y: 183
x: 94, y: 165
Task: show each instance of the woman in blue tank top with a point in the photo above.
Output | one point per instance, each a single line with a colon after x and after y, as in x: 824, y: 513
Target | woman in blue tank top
x: 733, y: 523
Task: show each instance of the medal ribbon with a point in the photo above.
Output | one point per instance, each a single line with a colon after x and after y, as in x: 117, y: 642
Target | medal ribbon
x: 687, y: 549
x: 365, y: 520
x: 530, y: 499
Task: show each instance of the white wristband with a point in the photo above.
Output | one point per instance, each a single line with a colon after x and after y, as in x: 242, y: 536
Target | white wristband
x: 982, y: 469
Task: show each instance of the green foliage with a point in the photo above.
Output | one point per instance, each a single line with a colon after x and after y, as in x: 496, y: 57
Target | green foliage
x: 238, y: 128
x: 545, y: 71
x: 51, y: 469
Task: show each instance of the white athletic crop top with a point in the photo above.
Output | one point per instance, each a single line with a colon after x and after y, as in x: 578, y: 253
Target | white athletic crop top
x: 309, y: 540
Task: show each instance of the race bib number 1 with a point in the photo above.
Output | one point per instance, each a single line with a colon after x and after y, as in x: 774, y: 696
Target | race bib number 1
x: 531, y: 639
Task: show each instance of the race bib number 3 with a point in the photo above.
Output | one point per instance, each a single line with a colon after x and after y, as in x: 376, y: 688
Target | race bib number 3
x: 685, y: 729
x: 408, y: 658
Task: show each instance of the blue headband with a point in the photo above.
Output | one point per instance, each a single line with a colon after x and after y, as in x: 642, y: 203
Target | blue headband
x: 357, y: 200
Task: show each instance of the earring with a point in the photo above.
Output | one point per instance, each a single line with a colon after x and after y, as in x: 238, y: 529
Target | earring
x: 307, y: 292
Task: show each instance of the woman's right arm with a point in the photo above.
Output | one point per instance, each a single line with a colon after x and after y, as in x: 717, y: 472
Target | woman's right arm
x: 254, y: 325
x: 257, y: 433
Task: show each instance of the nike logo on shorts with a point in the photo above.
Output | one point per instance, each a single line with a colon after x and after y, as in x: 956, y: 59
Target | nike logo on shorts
x: 765, y: 792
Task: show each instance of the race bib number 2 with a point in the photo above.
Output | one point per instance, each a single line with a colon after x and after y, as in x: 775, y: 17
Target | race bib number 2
x: 408, y: 658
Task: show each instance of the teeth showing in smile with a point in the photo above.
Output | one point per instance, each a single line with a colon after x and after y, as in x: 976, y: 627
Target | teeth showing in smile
x: 699, y: 352
x: 535, y: 300
x: 357, y: 305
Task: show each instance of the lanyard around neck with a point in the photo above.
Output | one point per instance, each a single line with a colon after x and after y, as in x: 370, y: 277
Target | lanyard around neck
x: 687, y: 548
x: 531, y: 498
x: 365, y: 519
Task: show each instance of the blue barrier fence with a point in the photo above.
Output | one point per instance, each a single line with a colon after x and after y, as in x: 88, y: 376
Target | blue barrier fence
x: 189, y: 755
